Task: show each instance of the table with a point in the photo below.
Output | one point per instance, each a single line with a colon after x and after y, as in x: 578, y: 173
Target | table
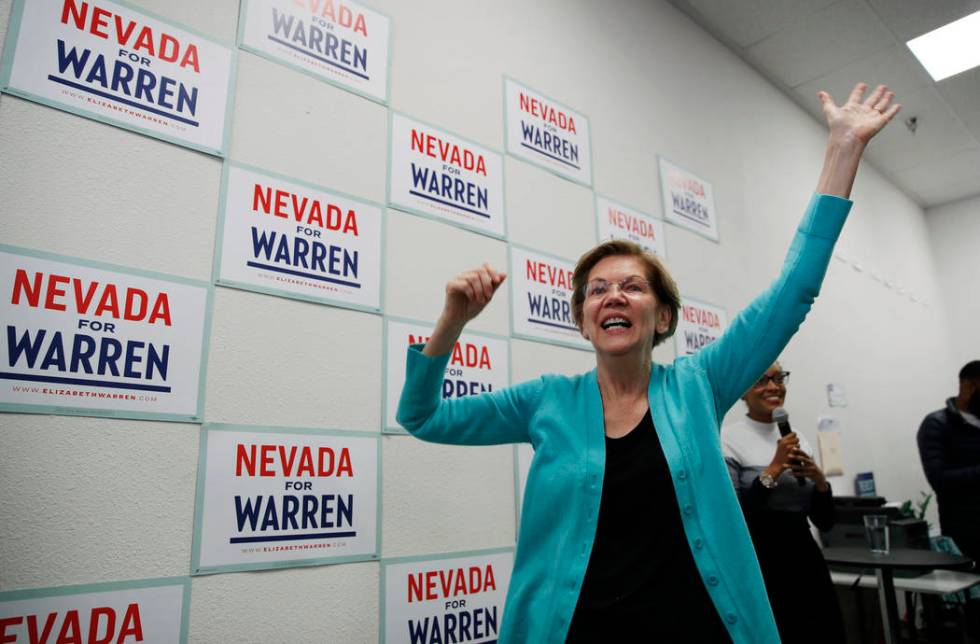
x: 884, y: 567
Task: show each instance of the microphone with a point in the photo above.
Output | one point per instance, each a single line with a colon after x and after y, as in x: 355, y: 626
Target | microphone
x: 781, y: 418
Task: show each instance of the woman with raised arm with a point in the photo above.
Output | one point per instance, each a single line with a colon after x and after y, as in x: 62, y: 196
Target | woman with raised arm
x: 630, y: 527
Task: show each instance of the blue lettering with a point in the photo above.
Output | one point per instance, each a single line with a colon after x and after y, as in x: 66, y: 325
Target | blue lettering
x: 276, y: 247
x: 82, y: 349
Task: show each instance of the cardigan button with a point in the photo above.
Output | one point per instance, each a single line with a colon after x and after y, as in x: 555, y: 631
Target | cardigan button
x: 712, y: 581
x: 698, y: 543
x: 731, y: 618
x: 688, y: 509
x: 682, y: 475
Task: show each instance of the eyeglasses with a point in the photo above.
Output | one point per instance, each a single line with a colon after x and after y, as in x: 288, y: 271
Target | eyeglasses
x: 780, y: 378
x: 633, y: 286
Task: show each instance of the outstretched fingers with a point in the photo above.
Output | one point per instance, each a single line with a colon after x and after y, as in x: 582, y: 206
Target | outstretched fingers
x: 883, y: 102
x: 892, y: 111
x: 875, y: 96
x: 857, y: 93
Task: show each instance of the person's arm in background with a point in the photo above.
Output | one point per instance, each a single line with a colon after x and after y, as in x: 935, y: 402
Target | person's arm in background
x: 761, y: 331
x: 821, y: 511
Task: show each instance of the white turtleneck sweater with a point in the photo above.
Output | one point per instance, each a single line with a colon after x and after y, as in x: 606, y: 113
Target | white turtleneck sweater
x: 749, y: 446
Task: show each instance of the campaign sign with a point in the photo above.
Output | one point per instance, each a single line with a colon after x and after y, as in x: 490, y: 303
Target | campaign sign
x: 438, y: 174
x: 98, y: 340
x: 541, y: 298
x: 688, y: 200
x: 479, y: 363
x: 616, y: 221
x: 111, y: 62
x: 699, y: 324
x: 277, y: 497
x: 282, y: 237
x: 342, y: 42
x: 148, y: 610
x: 449, y: 598
x: 547, y: 133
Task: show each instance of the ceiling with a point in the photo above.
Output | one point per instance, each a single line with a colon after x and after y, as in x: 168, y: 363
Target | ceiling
x: 802, y: 46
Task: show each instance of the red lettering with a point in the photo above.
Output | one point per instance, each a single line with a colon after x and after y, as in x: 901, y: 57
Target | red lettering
x: 131, y: 625
x: 69, y: 629
x: 169, y: 48
x: 23, y: 286
x: 54, y: 281
x: 77, y: 15
x: 342, y: 16
x: 93, y: 625
x: 245, y: 459
x: 303, y: 209
x: 447, y: 152
x: 547, y: 113
x: 99, y: 19
x: 414, y: 593
x: 450, y: 582
x: 45, y: 632
x: 12, y: 621
x: 327, y: 461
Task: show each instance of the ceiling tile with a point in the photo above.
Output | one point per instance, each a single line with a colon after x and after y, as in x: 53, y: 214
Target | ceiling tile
x: 972, y: 122
x: 748, y: 21
x: 962, y: 91
x: 955, y: 171
x: 893, y: 66
x: 908, y: 19
x: 930, y: 197
x: 842, y: 33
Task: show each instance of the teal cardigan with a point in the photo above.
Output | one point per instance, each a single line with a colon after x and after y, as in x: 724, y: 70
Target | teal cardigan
x: 562, y: 419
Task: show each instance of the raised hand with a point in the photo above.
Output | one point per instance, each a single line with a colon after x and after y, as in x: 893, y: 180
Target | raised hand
x: 467, y: 295
x: 852, y: 125
x: 805, y: 467
x: 859, y: 119
x: 785, y: 448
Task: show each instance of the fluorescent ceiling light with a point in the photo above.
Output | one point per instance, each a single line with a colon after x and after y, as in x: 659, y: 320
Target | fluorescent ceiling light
x: 951, y: 49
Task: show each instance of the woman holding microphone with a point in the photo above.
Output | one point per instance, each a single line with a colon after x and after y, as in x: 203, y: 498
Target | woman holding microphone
x: 630, y: 526
x: 780, y: 486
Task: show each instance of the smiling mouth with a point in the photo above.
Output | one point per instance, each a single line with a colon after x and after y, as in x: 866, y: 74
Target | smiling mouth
x: 616, y: 322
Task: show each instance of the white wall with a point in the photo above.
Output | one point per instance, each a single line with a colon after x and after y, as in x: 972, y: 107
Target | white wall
x: 86, y: 500
x: 955, y: 234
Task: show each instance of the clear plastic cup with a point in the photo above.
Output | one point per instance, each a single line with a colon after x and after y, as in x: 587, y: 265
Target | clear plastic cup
x: 876, y: 529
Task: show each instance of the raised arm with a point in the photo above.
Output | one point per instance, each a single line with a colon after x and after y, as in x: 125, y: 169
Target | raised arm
x: 490, y: 418
x: 760, y: 332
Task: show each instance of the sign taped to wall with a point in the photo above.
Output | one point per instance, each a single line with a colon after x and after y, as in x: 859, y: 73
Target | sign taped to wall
x: 698, y: 324
x: 342, y: 42
x: 282, y: 237
x: 114, y: 63
x: 616, y: 221
x: 688, y: 200
x: 280, y: 497
x: 150, y: 610
x: 437, y: 174
x: 547, y: 133
x: 92, y: 339
x: 480, y: 363
x: 445, y: 598
x: 541, y: 299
